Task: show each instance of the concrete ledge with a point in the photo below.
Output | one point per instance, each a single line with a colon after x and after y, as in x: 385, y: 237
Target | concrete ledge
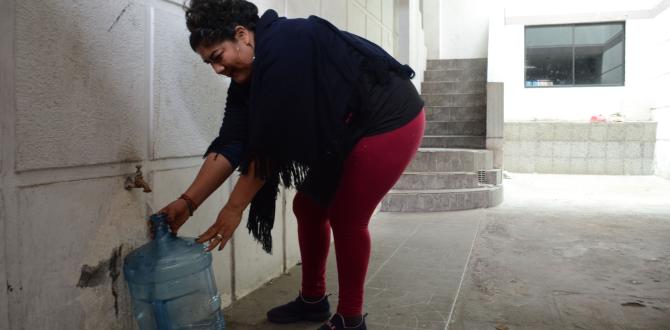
x: 496, y: 145
x: 456, y: 74
x: 451, y: 160
x: 495, y: 121
x: 477, y: 128
x: 644, y: 131
x: 580, y: 148
x: 454, y: 141
x: 496, y: 195
x: 442, y: 200
x: 455, y: 113
x: 436, y: 180
x: 493, y: 177
x: 457, y: 63
x: 455, y: 100
x: 441, y: 87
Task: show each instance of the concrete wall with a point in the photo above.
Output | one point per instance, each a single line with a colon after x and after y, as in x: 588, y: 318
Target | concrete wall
x: 495, y: 121
x: 7, y: 104
x: 661, y: 105
x: 580, y: 148
x: 506, y: 64
x: 88, y: 90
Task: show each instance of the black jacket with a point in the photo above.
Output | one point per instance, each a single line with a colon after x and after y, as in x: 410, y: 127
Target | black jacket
x: 291, y: 117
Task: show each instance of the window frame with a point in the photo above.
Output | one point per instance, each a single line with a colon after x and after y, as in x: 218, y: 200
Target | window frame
x: 573, y: 25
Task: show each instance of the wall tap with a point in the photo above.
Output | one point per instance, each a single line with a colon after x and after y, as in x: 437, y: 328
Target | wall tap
x: 137, y: 181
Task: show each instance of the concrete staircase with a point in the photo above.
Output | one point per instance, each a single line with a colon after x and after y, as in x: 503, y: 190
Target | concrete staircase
x: 452, y: 170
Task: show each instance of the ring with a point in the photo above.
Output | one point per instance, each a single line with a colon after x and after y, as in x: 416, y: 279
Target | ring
x: 219, y: 236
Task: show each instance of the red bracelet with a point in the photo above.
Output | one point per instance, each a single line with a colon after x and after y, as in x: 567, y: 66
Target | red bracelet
x: 189, y: 202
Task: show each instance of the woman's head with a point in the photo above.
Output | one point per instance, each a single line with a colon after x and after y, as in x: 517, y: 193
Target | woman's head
x: 222, y: 33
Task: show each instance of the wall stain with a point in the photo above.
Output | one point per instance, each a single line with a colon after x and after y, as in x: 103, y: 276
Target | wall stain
x: 92, y: 276
x: 123, y: 11
x: 114, y: 272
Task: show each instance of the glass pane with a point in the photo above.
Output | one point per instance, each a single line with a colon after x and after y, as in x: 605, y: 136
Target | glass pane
x: 549, y: 56
x: 549, y: 36
x: 613, y: 77
x: 599, y: 54
x: 597, y: 34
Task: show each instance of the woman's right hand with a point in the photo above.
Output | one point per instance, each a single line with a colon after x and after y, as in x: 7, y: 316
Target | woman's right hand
x: 177, y: 214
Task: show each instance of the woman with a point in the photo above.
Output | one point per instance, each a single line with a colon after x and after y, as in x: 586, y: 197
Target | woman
x: 311, y: 107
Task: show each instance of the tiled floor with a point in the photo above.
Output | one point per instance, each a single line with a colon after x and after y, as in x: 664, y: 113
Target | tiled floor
x: 562, y: 252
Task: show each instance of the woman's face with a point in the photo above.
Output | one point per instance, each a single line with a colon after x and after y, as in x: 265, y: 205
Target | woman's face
x: 233, y: 59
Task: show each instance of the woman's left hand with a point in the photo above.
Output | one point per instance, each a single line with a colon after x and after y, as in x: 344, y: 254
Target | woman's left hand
x: 222, y: 230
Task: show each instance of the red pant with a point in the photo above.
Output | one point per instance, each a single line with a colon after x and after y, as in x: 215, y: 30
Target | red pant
x: 370, y: 171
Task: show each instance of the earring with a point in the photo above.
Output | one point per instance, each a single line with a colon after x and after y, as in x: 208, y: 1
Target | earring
x: 253, y: 56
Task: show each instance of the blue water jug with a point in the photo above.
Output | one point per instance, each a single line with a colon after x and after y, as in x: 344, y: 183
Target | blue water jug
x: 172, y: 284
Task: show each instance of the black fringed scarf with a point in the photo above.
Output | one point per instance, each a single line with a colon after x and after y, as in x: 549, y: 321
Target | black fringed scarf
x: 303, y: 80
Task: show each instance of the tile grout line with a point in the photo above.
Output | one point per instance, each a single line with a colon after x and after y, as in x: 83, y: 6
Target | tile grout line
x: 465, y: 269
x: 391, y: 256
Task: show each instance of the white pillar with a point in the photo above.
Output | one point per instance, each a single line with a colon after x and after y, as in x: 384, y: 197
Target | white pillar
x: 431, y: 27
x: 402, y: 17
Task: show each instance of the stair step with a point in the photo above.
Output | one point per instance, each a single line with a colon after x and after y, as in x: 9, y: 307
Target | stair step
x: 455, y: 100
x: 442, y: 87
x: 446, y: 113
x: 475, y: 128
x: 429, y: 160
x: 454, y: 141
x: 437, y: 180
x: 442, y: 200
x: 442, y: 176
x: 456, y: 75
x: 456, y: 63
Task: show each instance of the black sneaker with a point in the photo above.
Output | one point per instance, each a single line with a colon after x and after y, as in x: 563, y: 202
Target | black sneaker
x: 337, y: 323
x: 301, y: 310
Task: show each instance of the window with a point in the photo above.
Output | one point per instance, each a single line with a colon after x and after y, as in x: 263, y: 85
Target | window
x: 575, y: 55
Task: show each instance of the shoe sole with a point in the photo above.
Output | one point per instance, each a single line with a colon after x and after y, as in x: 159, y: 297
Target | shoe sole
x: 318, y: 317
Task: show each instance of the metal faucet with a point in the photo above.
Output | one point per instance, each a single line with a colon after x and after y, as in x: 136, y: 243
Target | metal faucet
x: 137, y: 181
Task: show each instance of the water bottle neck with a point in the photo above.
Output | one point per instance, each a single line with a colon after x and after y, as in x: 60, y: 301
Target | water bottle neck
x: 161, y: 228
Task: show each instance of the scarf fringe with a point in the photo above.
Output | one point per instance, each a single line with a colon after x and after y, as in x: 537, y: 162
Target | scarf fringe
x: 263, y: 206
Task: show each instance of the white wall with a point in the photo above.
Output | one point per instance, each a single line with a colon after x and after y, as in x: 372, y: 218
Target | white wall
x: 464, y: 28
x: 418, y: 52
x: 661, y: 103
x: 576, y: 9
x: 371, y: 19
x: 89, y: 89
x: 411, y: 45
x: 431, y: 27
x: 506, y: 64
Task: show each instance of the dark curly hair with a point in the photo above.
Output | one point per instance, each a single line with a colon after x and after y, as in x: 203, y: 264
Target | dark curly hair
x: 212, y: 21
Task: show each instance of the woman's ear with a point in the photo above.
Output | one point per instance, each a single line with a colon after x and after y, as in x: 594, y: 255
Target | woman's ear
x: 242, y: 34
